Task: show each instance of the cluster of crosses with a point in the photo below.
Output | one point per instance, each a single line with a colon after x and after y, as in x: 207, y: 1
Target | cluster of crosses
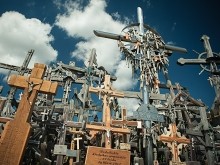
x: 171, y: 128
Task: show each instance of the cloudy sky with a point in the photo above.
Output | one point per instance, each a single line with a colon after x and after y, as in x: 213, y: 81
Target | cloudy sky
x: 61, y: 30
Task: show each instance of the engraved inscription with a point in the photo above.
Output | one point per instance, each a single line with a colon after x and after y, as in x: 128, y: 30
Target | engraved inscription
x: 103, y: 156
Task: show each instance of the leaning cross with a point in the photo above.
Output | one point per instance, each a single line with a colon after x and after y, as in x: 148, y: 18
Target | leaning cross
x: 16, y: 133
x: 107, y: 92
x: 174, y: 139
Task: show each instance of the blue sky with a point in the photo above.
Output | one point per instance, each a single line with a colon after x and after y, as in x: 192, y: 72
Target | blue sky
x: 63, y: 31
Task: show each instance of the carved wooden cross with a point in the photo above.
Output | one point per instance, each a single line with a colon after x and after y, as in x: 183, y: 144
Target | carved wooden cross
x: 174, y: 139
x: 16, y: 133
x: 107, y: 92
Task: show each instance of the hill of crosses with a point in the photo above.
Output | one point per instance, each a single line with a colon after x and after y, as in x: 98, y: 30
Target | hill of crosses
x: 87, y: 125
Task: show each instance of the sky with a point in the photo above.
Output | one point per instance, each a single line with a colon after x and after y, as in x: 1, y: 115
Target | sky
x: 61, y: 30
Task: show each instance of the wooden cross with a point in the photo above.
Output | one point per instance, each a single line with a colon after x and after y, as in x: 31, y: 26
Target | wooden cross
x: 16, y: 133
x: 107, y: 92
x: 77, y: 142
x: 124, y: 122
x: 174, y: 139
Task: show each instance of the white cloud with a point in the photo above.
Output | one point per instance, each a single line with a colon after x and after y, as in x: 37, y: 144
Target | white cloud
x: 19, y: 35
x: 79, y: 22
x: 124, y: 77
x: 130, y: 103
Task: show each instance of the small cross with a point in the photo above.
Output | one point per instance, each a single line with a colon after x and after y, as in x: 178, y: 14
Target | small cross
x: 77, y: 142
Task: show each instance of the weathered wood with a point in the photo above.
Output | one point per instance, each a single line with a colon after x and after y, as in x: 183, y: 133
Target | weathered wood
x: 100, y: 156
x: 39, y: 84
x: 16, y: 133
x: 72, y: 146
x: 174, y: 139
x: 104, y: 128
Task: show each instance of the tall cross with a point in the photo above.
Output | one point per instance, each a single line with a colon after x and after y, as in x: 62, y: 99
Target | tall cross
x: 16, y: 133
x: 174, y: 139
x: 106, y: 93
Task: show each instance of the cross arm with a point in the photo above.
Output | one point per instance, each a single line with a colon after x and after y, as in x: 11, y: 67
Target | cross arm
x: 42, y: 86
x: 127, y: 123
x: 125, y: 39
x: 111, y: 92
x: 103, y: 128
x: 174, y: 139
x: 183, y: 61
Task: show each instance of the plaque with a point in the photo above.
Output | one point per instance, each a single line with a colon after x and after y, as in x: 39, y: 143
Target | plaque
x: 104, y: 156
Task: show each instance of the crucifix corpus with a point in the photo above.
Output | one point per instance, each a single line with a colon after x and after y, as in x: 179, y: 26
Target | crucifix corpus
x: 98, y: 155
x: 16, y: 133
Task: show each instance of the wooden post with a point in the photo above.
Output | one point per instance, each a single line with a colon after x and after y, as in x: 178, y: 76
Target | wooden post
x: 72, y: 146
x: 16, y: 133
x: 107, y: 92
x: 174, y: 139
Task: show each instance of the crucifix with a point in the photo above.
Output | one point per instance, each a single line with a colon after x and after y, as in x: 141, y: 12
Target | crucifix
x: 16, y: 133
x: 174, y: 139
x: 106, y: 93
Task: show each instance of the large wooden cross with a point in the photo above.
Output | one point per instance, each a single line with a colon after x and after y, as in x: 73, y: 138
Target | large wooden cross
x: 107, y: 92
x: 174, y: 139
x: 16, y: 133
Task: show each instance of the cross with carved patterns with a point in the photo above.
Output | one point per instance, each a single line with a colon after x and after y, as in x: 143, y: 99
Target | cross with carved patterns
x: 106, y: 93
x: 174, y: 139
x: 16, y: 133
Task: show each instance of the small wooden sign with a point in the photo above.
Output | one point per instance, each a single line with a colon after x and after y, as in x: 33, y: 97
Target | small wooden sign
x: 103, y: 156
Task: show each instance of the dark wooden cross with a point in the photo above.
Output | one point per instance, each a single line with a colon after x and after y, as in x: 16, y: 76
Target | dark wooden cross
x: 106, y: 93
x: 16, y: 133
x: 174, y: 139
